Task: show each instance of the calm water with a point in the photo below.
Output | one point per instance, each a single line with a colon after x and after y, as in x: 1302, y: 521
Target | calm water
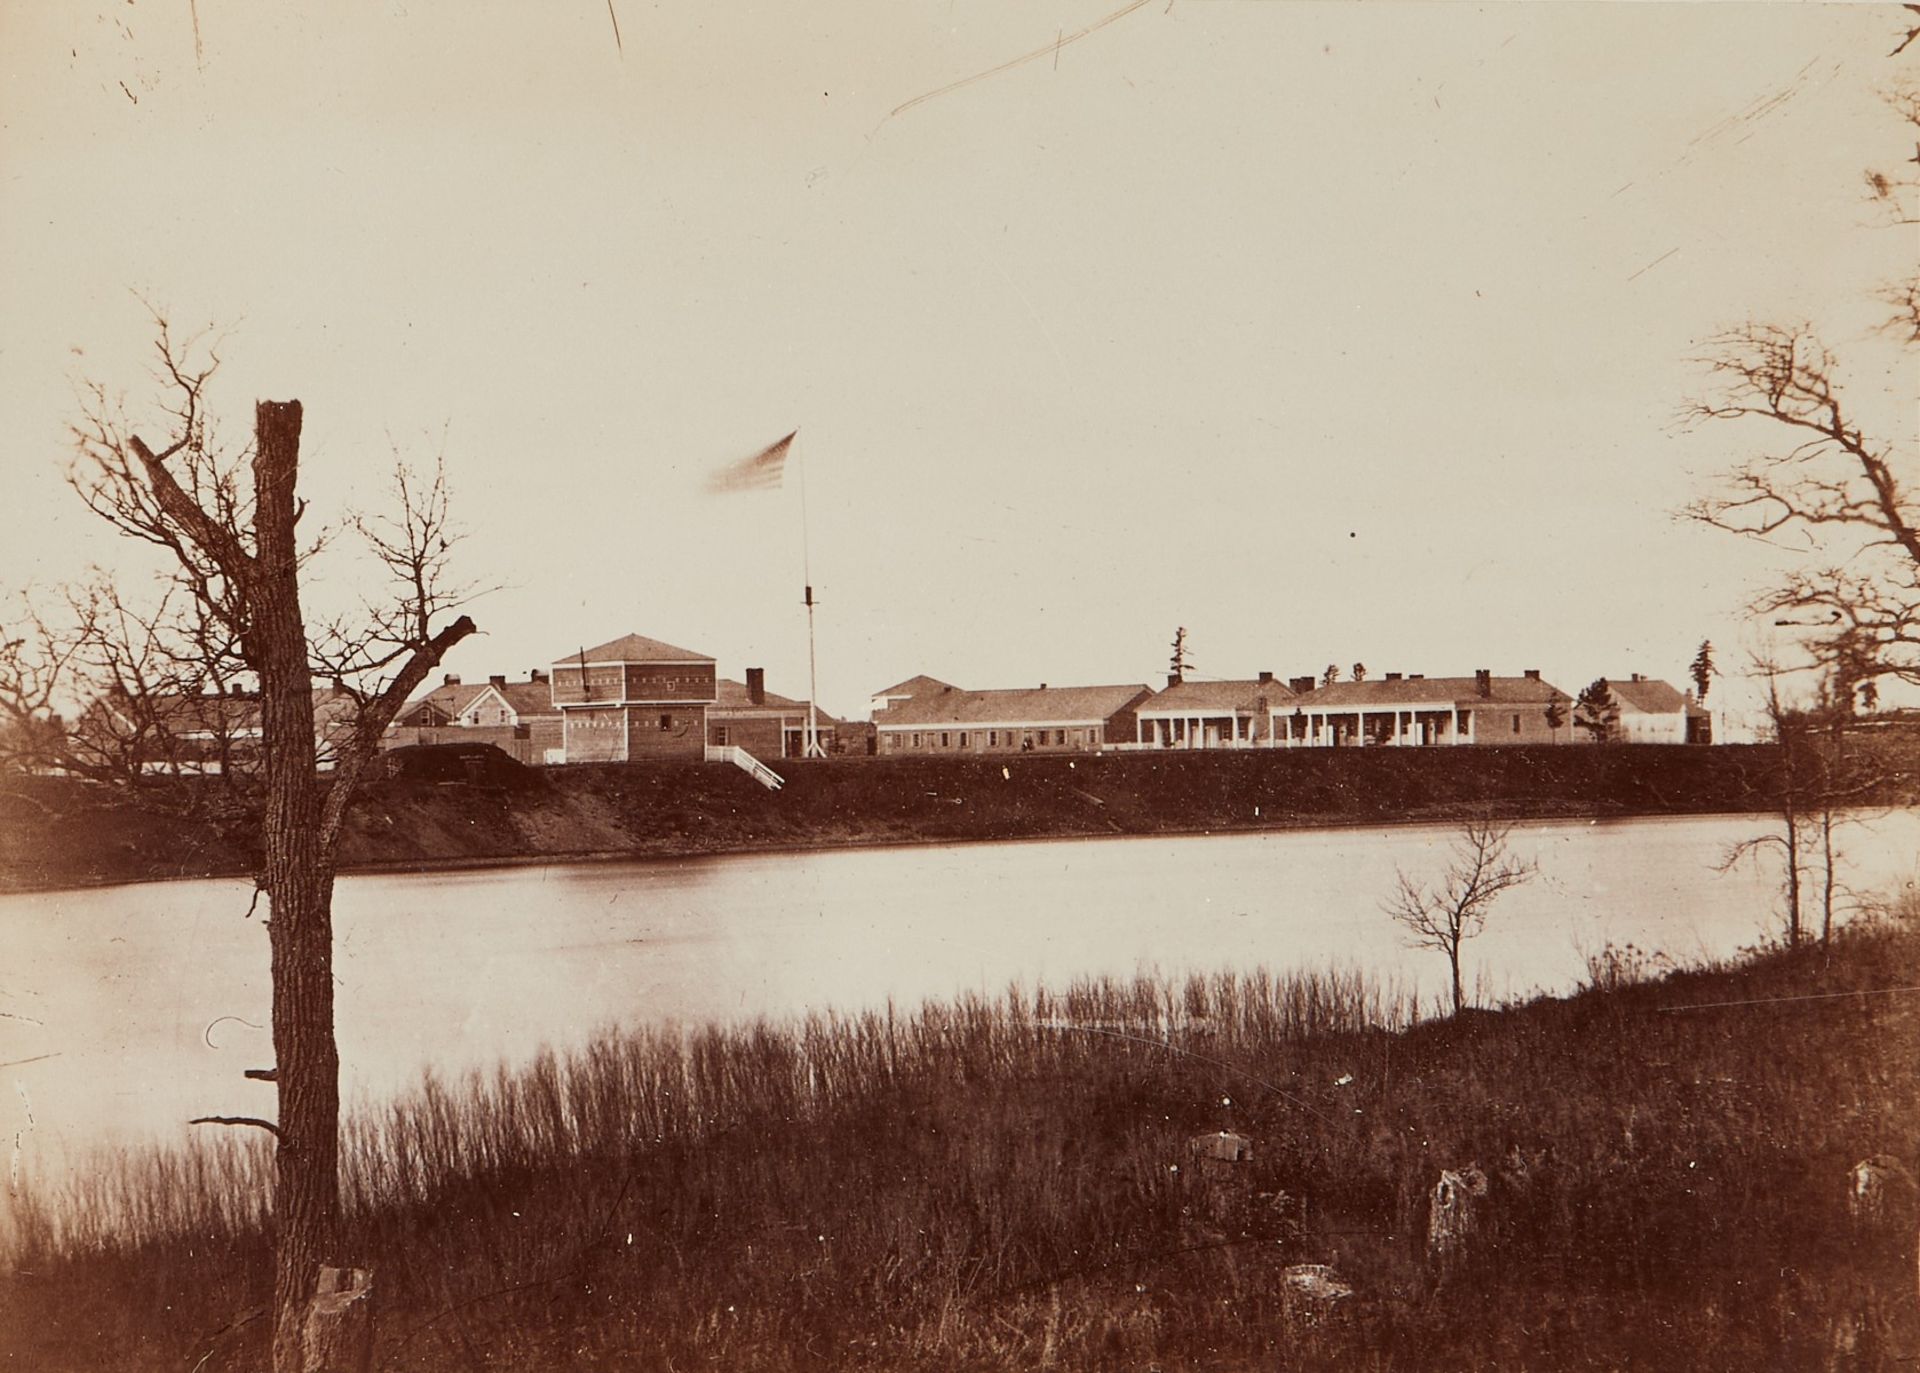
x: 124, y: 1011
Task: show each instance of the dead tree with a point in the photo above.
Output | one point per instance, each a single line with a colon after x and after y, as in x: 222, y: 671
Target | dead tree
x: 228, y: 527
x: 1792, y: 793
x: 1447, y: 913
x: 1824, y: 483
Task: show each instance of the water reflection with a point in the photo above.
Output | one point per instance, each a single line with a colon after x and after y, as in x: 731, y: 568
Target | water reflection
x: 125, y: 1011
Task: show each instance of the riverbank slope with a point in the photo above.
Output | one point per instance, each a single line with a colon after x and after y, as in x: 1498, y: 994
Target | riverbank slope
x: 58, y: 833
x: 1651, y: 1174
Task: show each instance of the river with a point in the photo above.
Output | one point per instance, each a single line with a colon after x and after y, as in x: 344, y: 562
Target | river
x: 125, y: 1011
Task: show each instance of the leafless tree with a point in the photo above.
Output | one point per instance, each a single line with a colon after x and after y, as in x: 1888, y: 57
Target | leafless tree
x: 1826, y: 484
x: 1823, y: 776
x: 1792, y: 795
x: 1443, y: 915
x: 227, y: 523
x: 149, y: 698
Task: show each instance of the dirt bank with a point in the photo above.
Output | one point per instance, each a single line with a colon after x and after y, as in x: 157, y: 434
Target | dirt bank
x: 56, y: 833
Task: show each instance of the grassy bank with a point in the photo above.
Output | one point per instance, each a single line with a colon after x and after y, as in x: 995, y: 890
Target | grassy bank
x: 56, y: 833
x: 1013, y: 1184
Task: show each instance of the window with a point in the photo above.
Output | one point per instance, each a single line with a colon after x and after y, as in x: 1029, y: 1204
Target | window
x: 1059, y: 736
x: 1516, y: 724
x: 666, y: 721
x: 993, y: 738
x: 916, y: 741
x: 963, y: 738
x: 720, y: 736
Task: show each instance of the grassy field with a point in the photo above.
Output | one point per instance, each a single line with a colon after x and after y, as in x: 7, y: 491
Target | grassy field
x: 1013, y: 1184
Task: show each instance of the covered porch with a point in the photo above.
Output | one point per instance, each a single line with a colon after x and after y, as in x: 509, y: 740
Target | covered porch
x: 1358, y: 727
x: 1200, y: 729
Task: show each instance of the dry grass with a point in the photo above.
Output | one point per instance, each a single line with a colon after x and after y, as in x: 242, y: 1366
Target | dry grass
x: 1007, y: 1183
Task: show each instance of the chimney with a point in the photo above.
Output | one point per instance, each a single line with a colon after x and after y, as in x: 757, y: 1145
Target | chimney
x: 1174, y: 679
x: 1265, y: 678
x: 1043, y: 686
x: 1532, y: 674
x: 1300, y: 686
x: 452, y: 679
x: 497, y: 679
x: 1393, y: 676
x: 757, y: 685
x: 535, y: 674
x: 1483, y: 681
x: 1416, y: 676
x: 1638, y: 678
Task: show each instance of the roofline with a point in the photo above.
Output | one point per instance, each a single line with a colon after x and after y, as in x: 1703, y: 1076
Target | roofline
x: 624, y: 701
x: 575, y: 662
x: 924, y: 725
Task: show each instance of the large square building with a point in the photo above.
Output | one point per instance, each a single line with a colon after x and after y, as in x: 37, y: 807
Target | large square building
x: 633, y: 699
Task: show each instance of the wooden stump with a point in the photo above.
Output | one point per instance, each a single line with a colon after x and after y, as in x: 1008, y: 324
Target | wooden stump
x: 1217, y: 1194
x: 1222, y: 1146
x: 1454, y: 1213
x: 337, y: 1335
x: 1311, y: 1295
x: 1880, y: 1194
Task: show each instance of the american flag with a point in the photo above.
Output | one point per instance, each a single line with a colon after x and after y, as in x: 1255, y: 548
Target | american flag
x: 761, y: 472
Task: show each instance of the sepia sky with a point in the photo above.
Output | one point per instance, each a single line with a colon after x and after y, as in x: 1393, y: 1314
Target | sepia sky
x: 1331, y: 332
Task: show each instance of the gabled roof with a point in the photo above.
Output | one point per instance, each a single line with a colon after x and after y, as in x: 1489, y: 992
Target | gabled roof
x: 185, y: 713
x: 735, y: 701
x: 1647, y: 697
x: 452, y: 697
x: 194, y: 714
x: 734, y: 696
x: 528, y: 698
x: 633, y: 648
x: 1457, y: 691
x: 1219, y: 696
x: 915, y: 686
x: 1019, y: 706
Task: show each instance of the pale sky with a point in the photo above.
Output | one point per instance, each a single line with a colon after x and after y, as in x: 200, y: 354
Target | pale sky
x: 1332, y: 332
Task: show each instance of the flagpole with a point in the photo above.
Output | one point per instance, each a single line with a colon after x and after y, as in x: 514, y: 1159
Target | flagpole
x: 811, y: 748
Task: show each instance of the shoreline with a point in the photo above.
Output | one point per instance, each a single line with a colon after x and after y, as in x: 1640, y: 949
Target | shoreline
x: 58, y: 834
x: 658, y: 853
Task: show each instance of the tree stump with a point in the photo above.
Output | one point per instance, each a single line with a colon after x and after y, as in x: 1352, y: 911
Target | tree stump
x: 1454, y: 1213
x: 1880, y: 1194
x: 1311, y: 1294
x: 1222, y: 1146
x: 337, y: 1334
x: 1217, y: 1194
x: 1315, y: 1282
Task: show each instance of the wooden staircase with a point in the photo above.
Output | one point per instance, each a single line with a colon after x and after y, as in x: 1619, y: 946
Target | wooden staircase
x: 747, y: 763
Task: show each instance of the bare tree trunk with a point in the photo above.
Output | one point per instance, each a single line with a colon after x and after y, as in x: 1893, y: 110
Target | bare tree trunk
x: 1790, y: 740
x: 299, y: 882
x: 1453, y: 958
x: 1792, y: 816
x: 1827, y: 878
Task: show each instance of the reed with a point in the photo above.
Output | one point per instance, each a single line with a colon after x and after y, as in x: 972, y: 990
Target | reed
x: 1006, y: 1181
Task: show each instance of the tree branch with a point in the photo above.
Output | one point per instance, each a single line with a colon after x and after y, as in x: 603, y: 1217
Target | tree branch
x: 254, y: 1121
